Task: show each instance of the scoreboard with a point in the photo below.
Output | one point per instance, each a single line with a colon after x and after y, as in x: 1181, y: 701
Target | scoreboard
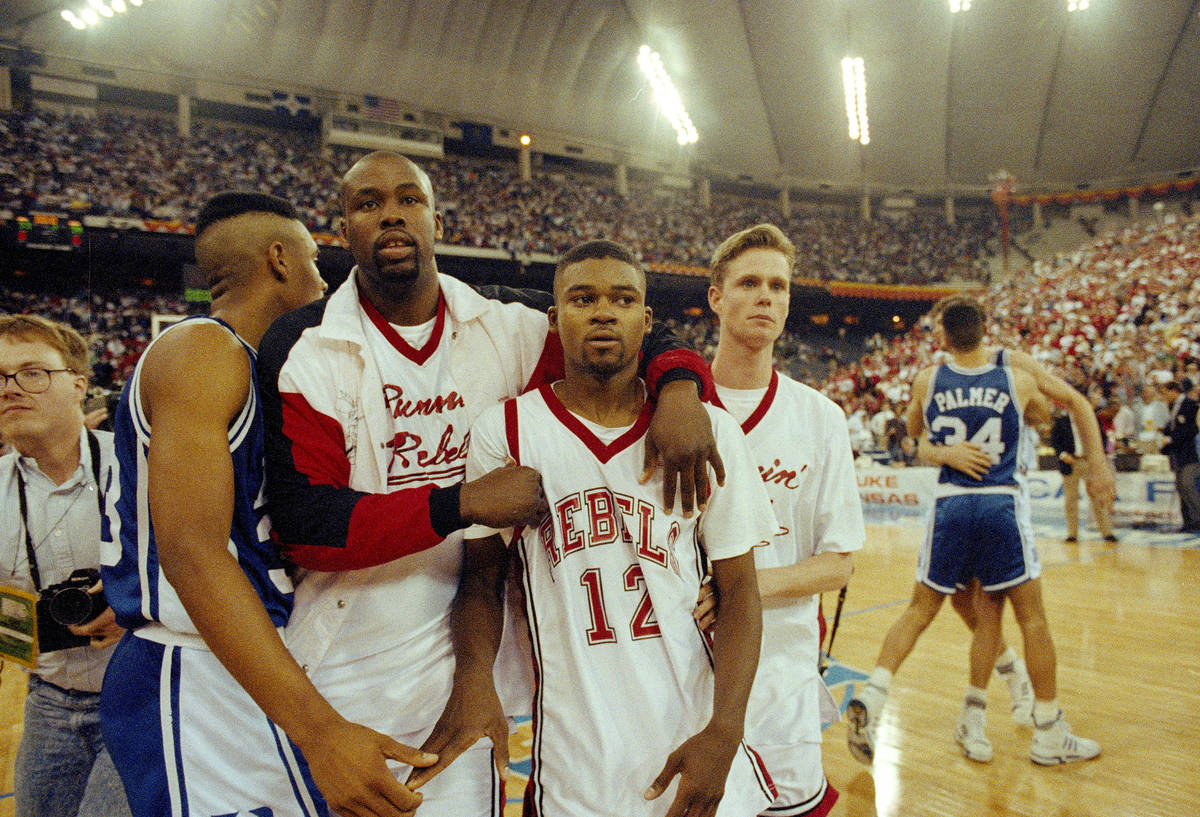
x: 49, y: 231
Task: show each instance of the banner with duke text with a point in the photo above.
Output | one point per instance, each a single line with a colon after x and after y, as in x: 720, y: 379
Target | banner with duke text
x: 906, y: 494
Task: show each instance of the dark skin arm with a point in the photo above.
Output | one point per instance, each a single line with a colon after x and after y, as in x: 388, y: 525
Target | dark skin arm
x: 476, y: 624
x: 703, y: 760
x: 681, y: 438
x: 194, y: 382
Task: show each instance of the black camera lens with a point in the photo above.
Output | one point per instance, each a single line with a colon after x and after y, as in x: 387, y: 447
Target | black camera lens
x: 70, y: 606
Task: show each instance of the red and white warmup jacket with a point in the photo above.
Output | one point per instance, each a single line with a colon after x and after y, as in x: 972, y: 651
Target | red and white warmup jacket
x: 367, y: 429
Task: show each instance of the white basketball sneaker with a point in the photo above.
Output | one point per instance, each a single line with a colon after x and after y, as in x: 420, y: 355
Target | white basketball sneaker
x: 863, y: 717
x: 1053, y: 743
x: 971, y: 732
x: 1020, y: 693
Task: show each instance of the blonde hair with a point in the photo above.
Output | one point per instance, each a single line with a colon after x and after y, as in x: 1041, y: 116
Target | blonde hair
x: 69, y: 343
x: 760, y: 236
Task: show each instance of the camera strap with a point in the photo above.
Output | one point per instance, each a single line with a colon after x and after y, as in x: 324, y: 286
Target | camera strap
x: 23, y: 504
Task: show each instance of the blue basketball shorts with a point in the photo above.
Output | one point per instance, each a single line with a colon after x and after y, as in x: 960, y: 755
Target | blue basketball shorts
x: 980, y: 535
x: 188, y: 741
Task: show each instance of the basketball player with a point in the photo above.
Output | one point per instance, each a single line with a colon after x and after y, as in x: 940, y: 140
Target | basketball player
x: 369, y: 398
x: 976, y: 531
x: 974, y: 462
x: 1009, y: 666
x: 204, y: 710
x: 625, y: 679
x: 801, y: 445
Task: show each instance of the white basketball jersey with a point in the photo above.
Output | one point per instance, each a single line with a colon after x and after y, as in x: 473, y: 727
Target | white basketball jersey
x: 801, y: 445
x: 611, y: 578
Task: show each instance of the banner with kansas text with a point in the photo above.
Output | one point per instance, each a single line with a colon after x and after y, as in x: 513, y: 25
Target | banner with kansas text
x: 899, y: 494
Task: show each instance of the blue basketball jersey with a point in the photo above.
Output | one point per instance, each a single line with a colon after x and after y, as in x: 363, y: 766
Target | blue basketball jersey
x: 133, y: 583
x: 979, y: 406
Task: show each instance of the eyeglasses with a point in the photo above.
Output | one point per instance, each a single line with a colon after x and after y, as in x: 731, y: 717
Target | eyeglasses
x: 31, y: 381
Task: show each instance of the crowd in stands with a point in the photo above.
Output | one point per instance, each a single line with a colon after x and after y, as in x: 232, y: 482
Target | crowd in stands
x: 122, y: 165
x: 1117, y: 318
x: 1113, y: 317
x: 116, y: 327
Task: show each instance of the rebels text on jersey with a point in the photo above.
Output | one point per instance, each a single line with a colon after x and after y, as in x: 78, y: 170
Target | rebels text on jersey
x: 610, y: 579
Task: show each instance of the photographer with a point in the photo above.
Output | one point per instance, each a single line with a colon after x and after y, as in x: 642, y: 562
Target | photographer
x: 51, y: 493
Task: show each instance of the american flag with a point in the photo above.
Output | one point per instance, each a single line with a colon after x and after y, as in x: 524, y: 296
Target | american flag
x: 380, y: 107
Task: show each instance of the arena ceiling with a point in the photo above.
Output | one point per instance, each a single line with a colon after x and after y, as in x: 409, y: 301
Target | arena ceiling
x: 1110, y: 94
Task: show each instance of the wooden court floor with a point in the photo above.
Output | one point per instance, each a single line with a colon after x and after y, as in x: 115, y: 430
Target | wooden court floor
x: 1126, y: 625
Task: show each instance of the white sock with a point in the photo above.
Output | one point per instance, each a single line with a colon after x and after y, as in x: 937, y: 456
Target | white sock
x: 976, y: 696
x: 1006, y: 661
x: 881, y: 679
x: 1045, y: 712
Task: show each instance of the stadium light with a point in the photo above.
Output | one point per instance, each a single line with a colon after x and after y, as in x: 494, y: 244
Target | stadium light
x: 525, y: 140
x: 1077, y: 5
x: 854, y: 83
x: 668, y: 98
x: 959, y: 5
x: 94, y: 12
x: 75, y: 22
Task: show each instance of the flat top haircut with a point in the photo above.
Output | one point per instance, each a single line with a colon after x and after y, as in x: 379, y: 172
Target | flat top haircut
x: 238, y: 202
x: 760, y: 236
x: 963, y: 321
x: 598, y: 249
x: 58, y: 336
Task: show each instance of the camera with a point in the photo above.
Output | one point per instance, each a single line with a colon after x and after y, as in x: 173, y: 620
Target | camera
x: 65, y: 604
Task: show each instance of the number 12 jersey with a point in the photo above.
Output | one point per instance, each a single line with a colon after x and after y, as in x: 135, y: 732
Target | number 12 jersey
x: 610, y: 580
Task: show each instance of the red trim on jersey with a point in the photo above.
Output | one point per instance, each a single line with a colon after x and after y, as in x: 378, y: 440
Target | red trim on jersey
x: 762, y: 768
x: 417, y: 356
x: 821, y: 625
x: 514, y: 442
x: 603, y: 452
x: 527, y: 800
x: 510, y: 430
x: 826, y: 805
x: 763, y: 404
x: 551, y: 365
x: 760, y: 411
x: 532, y: 788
